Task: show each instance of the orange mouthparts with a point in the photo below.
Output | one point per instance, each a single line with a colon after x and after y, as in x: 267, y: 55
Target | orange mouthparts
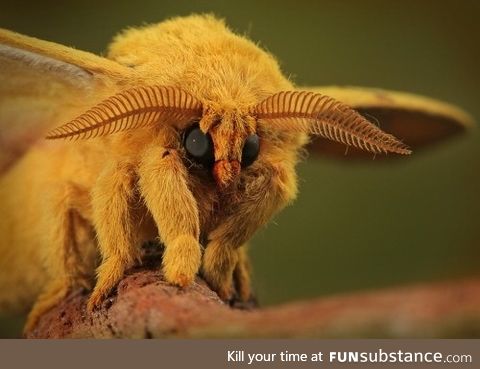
x: 225, y: 171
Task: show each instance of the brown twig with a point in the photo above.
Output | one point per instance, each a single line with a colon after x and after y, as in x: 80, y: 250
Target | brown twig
x: 145, y: 306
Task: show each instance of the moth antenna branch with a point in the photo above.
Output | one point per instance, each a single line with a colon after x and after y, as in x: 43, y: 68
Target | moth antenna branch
x: 130, y: 109
x: 321, y: 115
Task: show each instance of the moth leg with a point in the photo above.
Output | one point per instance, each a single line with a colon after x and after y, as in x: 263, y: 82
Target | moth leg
x: 112, y: 197
x: 219, y: 262
x: 241, y: 275
x: 52, y: 295
x: 227, y: 271
x: 69, y: 261
x: 164, y: 186
x: 269, y: 189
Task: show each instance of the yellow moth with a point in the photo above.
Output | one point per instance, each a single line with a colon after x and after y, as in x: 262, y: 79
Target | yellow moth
x: 185, y: 132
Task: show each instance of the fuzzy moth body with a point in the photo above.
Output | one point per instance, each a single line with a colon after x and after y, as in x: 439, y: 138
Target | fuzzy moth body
x: 177, y: 137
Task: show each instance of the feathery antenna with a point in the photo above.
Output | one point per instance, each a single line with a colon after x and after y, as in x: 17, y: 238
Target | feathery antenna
x: 322, y: 115
x: 130, y: 109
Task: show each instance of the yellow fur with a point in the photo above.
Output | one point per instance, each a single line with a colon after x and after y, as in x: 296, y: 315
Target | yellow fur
x: 134, y: 186
x: 63, y: 200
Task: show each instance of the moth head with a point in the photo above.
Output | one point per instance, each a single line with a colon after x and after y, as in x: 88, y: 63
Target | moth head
x: 221, y: 140
x: 226, y: 141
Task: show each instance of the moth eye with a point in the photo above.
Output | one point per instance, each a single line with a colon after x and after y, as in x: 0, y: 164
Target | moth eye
x: 199, y: 146
x: 250, y: 151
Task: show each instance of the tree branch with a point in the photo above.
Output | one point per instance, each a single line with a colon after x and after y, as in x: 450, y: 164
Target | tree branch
x: 145, y: 306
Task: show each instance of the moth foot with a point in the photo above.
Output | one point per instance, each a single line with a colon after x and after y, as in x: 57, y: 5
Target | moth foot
x: 241, y: 278
x: 223, y: 286
x: 52, y: 295
x: 181, y: 261
x: 109, y: 273
x: 217, y: 270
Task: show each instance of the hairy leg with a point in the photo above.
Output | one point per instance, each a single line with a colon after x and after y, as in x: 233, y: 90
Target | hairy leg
x: 67, y: 260
x: 241, y: 275
x: 267, y: 191
x: 163, y: 184
x: 112, y: 198
x: 219, y: 261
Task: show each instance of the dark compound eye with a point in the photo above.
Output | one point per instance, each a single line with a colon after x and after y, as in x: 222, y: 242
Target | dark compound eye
x: 250, y: 151
x: 199, y: 146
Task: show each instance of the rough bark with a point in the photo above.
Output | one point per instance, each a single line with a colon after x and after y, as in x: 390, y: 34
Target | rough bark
x: 144, y: 306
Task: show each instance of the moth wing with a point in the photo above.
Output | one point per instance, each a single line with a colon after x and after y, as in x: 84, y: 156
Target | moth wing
x: 43, y: 84
x: 416, y: 120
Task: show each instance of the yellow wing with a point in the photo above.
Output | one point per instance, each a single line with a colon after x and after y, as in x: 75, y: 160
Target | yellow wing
x: 43, y: 84
x: 416, y: 120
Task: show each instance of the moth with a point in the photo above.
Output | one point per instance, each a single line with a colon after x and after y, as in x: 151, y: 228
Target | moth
x: 185, y: 132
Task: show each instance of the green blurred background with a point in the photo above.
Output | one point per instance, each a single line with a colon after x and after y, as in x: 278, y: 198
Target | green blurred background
x: 355, y: 226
